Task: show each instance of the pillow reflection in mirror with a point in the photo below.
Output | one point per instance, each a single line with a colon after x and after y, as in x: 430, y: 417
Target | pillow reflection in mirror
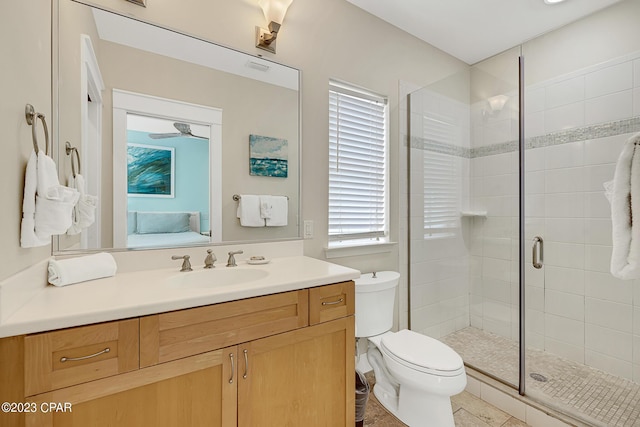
x: 162, y: 222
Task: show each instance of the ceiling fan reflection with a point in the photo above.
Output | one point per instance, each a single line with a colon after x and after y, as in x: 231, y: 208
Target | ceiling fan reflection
x: 184, y: 130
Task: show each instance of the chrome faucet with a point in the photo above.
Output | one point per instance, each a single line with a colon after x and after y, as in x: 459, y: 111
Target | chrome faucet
x: 231, y: 262
x: 210, y: 259
x: 186, y: 264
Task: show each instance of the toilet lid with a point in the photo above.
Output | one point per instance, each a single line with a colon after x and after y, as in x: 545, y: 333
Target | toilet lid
x: 422, y: 353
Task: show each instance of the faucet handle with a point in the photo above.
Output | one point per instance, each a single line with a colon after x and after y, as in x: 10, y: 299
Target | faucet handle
x: 186, y: 264
x: 210, y: 259
x: 231, y: 262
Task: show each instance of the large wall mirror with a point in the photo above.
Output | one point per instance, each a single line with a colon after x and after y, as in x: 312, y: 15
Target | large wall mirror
x: 167, y: 129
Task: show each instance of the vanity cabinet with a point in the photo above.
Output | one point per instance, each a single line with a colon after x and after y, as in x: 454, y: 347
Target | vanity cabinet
x: 253, y: 362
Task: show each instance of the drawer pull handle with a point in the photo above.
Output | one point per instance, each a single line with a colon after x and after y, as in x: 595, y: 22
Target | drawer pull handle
x: 74, y: 359
x: 333, y: 302
x: 233, y: 368
x: 246, y: 363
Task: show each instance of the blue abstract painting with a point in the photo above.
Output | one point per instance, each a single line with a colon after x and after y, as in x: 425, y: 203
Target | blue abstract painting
x: 150, y: 170
x: 268, y: 156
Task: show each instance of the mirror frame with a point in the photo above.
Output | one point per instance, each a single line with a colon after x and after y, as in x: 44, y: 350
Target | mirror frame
x: 56, y: 142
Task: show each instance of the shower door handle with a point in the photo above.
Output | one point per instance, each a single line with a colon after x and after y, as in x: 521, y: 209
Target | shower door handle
x: 537, y: 252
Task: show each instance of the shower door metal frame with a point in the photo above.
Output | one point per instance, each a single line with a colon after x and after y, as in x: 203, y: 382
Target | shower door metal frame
x: 521, y: 230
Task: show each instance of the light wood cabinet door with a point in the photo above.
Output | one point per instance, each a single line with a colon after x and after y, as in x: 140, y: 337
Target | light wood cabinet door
x: 192, y: 392
x: 299, y: 378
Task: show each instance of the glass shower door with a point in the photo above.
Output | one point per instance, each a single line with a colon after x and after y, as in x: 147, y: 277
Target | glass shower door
x: 463, y: 214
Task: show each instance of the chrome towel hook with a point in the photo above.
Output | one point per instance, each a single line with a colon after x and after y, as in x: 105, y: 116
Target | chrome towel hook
x: 32, y: 118
x: 70, y: 152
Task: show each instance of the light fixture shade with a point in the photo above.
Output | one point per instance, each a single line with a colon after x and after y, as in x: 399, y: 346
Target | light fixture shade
x: 497, y: 102
x: 274, y: 10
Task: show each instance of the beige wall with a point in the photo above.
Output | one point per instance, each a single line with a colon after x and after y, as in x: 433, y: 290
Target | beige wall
x: 25, y: 49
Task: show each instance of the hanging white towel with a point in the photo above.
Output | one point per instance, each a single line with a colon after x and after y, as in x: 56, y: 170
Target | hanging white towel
x: 249, y: 211
x: 279, y: 211
x: 625, y: 212
x: 75, y: 270
x: 28, y: 238
x: 266, y: 205
x: 54, y: 202
x: 84, y: 211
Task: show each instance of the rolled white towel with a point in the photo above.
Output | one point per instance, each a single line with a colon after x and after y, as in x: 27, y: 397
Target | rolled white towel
x: 74, y: 270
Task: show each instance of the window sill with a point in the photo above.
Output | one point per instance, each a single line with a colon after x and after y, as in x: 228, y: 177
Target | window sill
x: 358, y: 249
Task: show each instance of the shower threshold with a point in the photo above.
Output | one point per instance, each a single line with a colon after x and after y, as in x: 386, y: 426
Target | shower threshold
x: 580, y: 391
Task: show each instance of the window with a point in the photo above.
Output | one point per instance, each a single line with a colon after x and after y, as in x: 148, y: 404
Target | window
x: 358, y: 161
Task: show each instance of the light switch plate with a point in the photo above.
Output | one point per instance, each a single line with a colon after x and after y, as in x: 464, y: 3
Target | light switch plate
x: 308, y: 229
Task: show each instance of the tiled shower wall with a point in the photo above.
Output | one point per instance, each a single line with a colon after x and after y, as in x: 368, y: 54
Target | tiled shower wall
x: 575, y: 127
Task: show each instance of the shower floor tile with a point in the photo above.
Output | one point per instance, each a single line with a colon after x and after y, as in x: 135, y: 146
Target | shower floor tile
x: 589, y: 394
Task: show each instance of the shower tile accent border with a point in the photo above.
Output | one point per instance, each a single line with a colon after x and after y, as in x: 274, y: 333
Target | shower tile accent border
x: 618, y: 127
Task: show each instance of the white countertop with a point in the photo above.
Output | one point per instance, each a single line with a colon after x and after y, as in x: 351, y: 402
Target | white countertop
x: 147, y: 292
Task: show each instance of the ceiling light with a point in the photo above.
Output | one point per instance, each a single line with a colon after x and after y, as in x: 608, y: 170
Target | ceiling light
x: 553, y: 1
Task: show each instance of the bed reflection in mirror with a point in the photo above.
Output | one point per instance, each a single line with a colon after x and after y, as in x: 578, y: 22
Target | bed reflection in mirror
x: 167, y: 185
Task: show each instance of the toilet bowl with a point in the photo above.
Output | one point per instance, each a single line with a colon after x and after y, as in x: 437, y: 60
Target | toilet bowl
x: 424, y: 372
x: 415, y: 375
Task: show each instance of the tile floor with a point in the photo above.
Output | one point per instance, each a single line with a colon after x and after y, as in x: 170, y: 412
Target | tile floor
x: 595, y: 396
x: 469, y: 411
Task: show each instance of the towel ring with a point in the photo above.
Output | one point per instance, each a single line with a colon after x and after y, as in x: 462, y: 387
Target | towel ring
x: 71, y: 151
x: 32, y: 119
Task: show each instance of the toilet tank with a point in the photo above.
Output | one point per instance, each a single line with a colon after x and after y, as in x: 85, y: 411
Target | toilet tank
x: 375, y: 299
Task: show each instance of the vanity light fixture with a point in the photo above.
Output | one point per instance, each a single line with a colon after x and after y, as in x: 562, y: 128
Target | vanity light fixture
x: 496, y: 104
x: 274, y: 11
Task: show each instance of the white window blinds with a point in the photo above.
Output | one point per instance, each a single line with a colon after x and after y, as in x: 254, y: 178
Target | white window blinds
x: 441, y: 173
x: 357, y: 164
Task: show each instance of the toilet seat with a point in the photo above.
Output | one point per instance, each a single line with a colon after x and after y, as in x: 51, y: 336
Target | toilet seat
x: 422, y: 353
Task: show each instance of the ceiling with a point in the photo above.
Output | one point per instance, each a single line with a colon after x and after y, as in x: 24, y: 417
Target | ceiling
x: 473, y: 30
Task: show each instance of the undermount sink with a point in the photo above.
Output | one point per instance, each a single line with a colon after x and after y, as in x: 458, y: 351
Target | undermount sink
x: 215, y: 277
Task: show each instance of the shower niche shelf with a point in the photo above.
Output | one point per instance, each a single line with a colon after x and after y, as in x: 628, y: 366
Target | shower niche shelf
x: 473, y: 214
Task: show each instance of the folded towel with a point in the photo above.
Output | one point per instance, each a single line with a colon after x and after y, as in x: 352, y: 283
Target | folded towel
x: 54, y: 202
x: 279, y: 211
x: 249, y: 211
x: 28, y: 238
x: 84, y: 211
x: 75, y: 270
x: 625, y: 208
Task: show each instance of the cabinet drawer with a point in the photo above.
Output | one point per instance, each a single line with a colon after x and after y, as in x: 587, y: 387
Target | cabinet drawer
x: 72, y: 356
x: 178, y: 334
x: 331, y: 302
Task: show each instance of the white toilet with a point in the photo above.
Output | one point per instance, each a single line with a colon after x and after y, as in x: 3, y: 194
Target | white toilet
x: 415, y: 375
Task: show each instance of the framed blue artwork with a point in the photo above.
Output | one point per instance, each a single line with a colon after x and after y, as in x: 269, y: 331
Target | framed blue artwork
x: 268, y: 156
x: 150, y: 171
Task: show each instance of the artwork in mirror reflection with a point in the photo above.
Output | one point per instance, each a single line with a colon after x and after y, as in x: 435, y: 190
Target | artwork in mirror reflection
x: 167, y: 202
x: 268, y: 156
x: 150, y: 171
x: 103, y: 56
